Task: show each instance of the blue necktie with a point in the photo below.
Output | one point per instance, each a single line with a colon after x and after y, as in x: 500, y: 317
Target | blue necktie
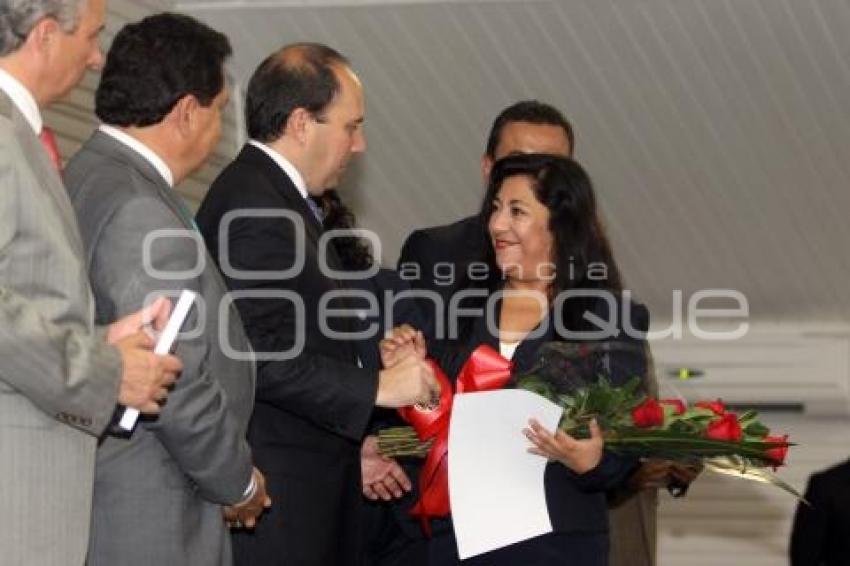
x: 314, y: 208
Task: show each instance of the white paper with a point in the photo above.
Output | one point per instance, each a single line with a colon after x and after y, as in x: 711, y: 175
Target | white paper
x: 496, y: 487
x: 163, y: 347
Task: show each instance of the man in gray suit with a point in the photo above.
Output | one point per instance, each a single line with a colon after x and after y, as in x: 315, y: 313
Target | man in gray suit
x: 158, y: 495
x: 60, y: 379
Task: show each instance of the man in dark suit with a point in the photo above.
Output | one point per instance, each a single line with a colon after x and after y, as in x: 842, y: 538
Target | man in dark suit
x: 159, y: 494
x: 440, y: 258
x: 304, y: 113
x: 821, y: 533
x: 444, y: 259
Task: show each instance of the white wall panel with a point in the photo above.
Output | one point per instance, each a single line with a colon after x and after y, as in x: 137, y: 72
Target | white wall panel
x: 715, y: 130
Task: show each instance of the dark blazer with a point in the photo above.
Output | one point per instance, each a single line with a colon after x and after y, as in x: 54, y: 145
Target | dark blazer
x: 402, y: 311
x: 181, y: 467
x: 632, y: 515
x: 312, y: 409
x: 577, y: 503
x: 459, y: 243
x: 429, y: 255
x: 821, y: 533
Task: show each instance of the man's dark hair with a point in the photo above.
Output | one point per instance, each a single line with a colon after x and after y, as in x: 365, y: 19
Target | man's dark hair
x: 300, y: 75
x: 154, y: 63
x: 531, y: 111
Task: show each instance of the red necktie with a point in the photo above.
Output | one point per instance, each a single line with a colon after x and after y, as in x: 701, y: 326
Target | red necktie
x: 48, y: 140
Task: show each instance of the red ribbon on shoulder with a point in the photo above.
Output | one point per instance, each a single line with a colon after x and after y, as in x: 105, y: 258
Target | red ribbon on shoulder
x: 485, y: 370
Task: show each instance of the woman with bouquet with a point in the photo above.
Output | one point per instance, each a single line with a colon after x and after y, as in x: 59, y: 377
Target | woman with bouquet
x: 553, y: 278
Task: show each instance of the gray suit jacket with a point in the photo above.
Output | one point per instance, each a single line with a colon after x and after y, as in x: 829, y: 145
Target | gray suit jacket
x: 58, y: 377
x: 158, y: 494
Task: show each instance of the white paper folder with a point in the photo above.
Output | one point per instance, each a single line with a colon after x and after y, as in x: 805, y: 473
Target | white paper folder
x: 163, y: 346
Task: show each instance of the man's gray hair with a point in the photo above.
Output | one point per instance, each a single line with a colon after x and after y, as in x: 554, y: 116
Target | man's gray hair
x: 18, y: 17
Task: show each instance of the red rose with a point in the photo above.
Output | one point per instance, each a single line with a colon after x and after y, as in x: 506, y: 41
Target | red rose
x: 677, y: 404
x: 717, y: 407
x: 649, y: 413
x: 726, y: 427
x: 778, y: 453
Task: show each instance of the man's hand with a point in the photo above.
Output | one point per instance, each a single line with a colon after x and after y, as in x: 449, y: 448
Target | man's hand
x: 155, y: 314
x: 663, y: 473
x: 382, y: 477
x: 409, y: 382
x: 246, y: 512
x: 146, y: 377
x: 401, y: 342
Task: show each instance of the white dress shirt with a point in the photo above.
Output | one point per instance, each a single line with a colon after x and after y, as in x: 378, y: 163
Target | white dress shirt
x: 22, y: 99
x: 508, y: 349
x: 286, y: 165
x: 140, y: 148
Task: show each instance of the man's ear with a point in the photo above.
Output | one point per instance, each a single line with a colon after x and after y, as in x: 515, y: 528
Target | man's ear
x: 299, y: 125
x: 185, y: 114
x: 43, y: 35
x: 486, y: 167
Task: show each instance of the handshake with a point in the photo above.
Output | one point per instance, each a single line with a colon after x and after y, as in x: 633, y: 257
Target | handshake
x: 407, y: 379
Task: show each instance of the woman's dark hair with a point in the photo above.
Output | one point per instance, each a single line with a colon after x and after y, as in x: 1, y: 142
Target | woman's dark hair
x: 580, y: 242
x: 353, y: 251
x: 154, y: 63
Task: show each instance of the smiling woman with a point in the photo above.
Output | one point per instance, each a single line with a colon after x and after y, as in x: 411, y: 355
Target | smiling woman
x: 547, y: 243
x: 544, y: 226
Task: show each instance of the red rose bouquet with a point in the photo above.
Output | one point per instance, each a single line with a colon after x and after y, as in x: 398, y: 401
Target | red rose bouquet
x: 575, y: 376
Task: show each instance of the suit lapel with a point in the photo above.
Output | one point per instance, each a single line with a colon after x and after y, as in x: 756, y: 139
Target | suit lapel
x: 113, y: 149
x: 287, y: 189
x: 284, y: 187
x: 526, y: 353
x: 47, y: 175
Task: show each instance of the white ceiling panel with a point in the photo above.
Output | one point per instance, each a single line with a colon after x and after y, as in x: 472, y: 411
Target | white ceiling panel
x: 717, y: 131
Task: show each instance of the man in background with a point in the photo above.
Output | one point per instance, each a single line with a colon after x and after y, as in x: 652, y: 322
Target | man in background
x: 60, y: 379
x: 439, y: 258
x: 304, y: 111
x: 158, y: 495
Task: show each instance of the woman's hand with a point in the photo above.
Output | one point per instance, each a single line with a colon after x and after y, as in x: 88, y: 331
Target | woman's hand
x: 580, y: 456
x: 401, y: 342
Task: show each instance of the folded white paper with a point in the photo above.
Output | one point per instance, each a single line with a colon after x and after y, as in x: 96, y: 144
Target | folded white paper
x: 163, y: 346
x: 495, y: 486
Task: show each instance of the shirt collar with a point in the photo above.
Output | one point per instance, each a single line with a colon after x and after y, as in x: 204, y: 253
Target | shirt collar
x: 286, y: 165
x: 140, y: 148
x: 23, y: 100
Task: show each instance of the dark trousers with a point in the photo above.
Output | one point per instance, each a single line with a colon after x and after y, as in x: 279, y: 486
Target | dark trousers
x: 314, y: 521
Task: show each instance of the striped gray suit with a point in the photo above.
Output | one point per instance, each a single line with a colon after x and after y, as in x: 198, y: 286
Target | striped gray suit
x: 58, y: 378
